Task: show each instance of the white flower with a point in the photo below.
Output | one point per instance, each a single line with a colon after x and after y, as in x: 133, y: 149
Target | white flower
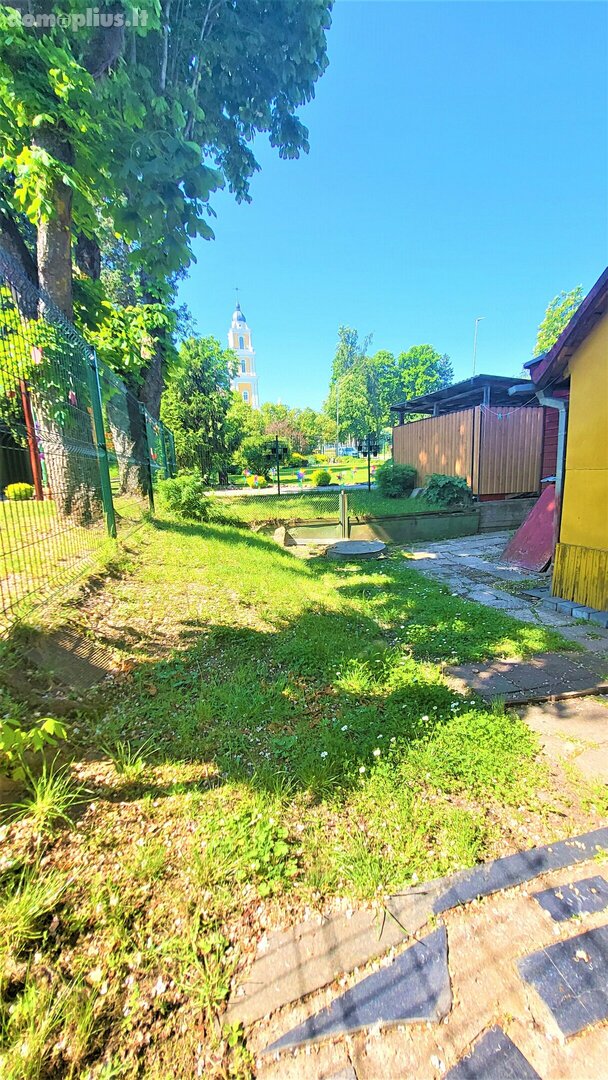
x: 324, y: 753
x: 377, y: 752
x: 424, y: 719
x: 344, y: 727
x: 362, y: 769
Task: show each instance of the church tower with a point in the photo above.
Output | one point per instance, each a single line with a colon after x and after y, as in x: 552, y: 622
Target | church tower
x: 239, y: 338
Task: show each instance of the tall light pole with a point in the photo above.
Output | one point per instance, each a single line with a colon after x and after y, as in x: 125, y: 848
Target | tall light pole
x: 479, y: 319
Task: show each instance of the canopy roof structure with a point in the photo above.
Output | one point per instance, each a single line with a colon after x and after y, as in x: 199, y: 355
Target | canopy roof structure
x: 478, y: 390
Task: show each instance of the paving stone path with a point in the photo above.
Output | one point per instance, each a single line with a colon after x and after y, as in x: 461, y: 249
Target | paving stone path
x: 511, y: 983
x: 470, y: 567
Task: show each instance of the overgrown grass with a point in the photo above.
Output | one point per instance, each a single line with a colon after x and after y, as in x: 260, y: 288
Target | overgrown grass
x: 318, y: 506
x: 283, y: 735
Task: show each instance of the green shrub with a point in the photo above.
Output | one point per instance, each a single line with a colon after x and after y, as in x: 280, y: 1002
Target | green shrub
x: 256, y: 481
x: 395, y: 481
x: 19, y: 492
x: 16, y: 741
x: 298, y: 461
x: 320, y: 459
x: 185, y: 496
x: 447, y: 491
x: 320, y: 478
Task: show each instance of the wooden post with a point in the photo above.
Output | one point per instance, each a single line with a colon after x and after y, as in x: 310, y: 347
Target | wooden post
x: 31, y: 440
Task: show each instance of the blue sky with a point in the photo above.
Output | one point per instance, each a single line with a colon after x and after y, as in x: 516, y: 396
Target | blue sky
x: 458, y: 167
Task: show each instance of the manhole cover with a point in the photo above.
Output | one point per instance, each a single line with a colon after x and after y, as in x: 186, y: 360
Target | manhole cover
x: 356, y: 549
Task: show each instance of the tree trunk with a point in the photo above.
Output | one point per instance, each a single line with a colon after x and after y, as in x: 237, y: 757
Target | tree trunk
x: 73, y: 477
x: 55, y: 233
x: 61, y: 400
x: 130, y: 443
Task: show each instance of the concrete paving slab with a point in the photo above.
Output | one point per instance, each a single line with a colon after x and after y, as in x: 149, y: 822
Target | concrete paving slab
x: 580, y: 898
x: 515, y: 869
x: 494, y: 1057
x: 570, y: 977
x: 293, y: 963
x: 415, y: 987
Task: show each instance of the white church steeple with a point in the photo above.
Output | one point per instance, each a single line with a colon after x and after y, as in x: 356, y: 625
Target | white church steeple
x: 239, y: 338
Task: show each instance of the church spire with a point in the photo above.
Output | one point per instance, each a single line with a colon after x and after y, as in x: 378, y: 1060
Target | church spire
x: 245, y: 381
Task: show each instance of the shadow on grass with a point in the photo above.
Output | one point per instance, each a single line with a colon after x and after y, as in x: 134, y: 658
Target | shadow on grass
x: 311, y: 703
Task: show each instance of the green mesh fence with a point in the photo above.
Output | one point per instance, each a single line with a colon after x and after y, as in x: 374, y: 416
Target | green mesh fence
x: 78, y: 453
x: 288, y: 508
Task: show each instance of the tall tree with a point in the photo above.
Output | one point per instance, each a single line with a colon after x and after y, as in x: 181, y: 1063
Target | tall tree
x: 196, y: 404
x: 422, y: 370
x: 557, y: 316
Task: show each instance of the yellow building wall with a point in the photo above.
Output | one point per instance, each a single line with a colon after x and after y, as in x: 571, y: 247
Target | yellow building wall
x: 581, y: 558
x: 244, y: 386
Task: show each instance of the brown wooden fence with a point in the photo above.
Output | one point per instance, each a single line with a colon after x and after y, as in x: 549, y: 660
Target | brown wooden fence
x: 497, y: 450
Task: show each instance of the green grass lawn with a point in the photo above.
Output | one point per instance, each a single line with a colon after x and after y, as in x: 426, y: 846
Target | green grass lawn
x: 321, y: 505
x: 280, y: 736
x: 355, y: 472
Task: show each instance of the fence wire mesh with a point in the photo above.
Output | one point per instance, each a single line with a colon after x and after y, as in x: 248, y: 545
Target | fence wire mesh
x: 288, y: 508
x: 79, y: 454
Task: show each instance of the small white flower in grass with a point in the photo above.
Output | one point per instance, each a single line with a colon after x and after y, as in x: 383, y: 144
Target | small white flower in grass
x: 344, y: 727
x: 377, y: 752
x: 362, y: 769
x: 324, y: 753
x: 424, y: 719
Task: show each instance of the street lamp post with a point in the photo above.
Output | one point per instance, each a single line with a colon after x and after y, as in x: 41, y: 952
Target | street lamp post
x: 479, y: 319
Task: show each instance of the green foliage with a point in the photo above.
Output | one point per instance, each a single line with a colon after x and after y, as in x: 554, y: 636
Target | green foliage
x: 130, y: 761
x: 320, y: 478
x: 422, y: 370
x: 26, y: 900
x: 298, y: 461
x: 556, y: 318
x: 19, y: 492
x: 255, y: 453
x: 196, y: 406
x: 395, y: 481
x: 186, y: 497
x: 17, y: 741
x: 256, y: 481
x: 363, y: 387
x: 248, y: 845
x: 51, y: 795
x: 447, y: 491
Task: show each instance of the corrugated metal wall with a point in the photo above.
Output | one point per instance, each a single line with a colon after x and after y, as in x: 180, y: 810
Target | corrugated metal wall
x: 441, y: 444
x: 510, y: 450
x: 498, y: 450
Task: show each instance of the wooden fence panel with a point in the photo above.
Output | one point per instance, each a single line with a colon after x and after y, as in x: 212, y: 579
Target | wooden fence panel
x: 510, y: 450
x: 439, y: 444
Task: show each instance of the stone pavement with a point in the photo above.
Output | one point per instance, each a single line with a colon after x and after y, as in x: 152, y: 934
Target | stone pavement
x: 470, y: 568
x: 543, y: 677
x: 574, y: 730
x: 512, y: 984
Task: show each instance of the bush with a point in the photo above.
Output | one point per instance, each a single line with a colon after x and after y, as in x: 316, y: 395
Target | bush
x: 256, y: 481
x: 447, y: 491
x: 17, y: 740
x: 185, y: 496
x: 298, y: 461
x: 19, y: 492
x: 395, y: 481
x: 320, y: 478
x: 320, y: 459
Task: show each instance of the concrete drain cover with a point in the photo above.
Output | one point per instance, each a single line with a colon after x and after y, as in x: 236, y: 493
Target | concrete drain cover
x: 356, y: 549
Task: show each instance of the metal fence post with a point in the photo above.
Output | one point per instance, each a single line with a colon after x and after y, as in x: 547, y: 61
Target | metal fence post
x: 163, y: 450
x: 102, y: 450
x: 144, y: 420
x: 172, y: 461
x: 344, y: 515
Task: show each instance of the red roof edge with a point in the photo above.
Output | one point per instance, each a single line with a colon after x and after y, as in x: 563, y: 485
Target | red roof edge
x: 580, y: 325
